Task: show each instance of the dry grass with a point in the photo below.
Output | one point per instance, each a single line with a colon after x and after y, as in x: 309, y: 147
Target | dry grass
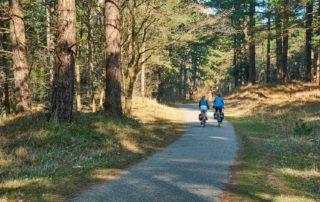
x: 45, y: 161
x: 279, y: 127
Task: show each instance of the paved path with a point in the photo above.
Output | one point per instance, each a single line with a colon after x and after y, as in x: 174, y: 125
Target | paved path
x: 194, y: 168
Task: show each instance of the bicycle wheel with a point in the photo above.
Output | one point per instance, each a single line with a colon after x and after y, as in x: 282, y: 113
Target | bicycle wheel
x: 219, y: 119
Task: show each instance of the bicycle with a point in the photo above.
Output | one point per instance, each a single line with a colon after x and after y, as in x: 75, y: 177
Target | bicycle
x: 219, y: 117
x: 203, y: 118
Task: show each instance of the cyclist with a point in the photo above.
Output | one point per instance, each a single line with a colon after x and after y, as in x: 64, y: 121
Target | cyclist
x: 204, y: 105
x: 218, y: 103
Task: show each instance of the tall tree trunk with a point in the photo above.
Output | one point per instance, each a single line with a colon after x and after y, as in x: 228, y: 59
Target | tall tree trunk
x: 63, y: 82
x: 185, y: 79
x: 159, y: 84
x: 78, y: 86
x: 143, y: 70
x: 268, y: 70
x: 4, y: 69
x: 6, y: 102
x: 252, y: 43
x: 91, y: 58
x: 50, y: 40
x: 246, y: 43
x: 309, y: 29
x: 279, y: 44
x: 19, y: 56
x: 113, y: 56
x: 181, y: 74
x: 285, y: 46
x: 235, y: 60
x: 129, y: 93
x: 2, y: 80
x: 318, y: 61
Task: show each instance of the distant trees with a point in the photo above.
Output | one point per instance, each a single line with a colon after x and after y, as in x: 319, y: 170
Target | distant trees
x: 168, y: 50
x: 280, y: 25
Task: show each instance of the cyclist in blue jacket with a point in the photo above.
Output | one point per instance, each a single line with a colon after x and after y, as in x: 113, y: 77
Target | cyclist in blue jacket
x: 218, y: 103
x: 204, y: 105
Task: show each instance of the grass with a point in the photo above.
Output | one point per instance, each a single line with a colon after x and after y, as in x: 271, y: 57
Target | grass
x: 46, y: 161
x: 279, y: 129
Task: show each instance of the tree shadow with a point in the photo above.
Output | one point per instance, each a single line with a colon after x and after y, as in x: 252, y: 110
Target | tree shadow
x: 271, y: 144
x: 48, y: 161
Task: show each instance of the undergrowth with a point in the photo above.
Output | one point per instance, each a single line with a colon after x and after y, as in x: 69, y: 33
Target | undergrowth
x: 48, y: 161
x: 279, y: 128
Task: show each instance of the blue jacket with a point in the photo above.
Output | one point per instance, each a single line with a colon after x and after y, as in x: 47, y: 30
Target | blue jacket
x: 203, y: 102
x: 218, y: 102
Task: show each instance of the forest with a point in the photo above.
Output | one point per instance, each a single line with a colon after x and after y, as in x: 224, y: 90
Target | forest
x: 74, y: 61
x: 168, y: 50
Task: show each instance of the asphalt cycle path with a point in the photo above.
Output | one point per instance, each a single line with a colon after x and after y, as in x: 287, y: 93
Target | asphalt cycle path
x: 194, y: 168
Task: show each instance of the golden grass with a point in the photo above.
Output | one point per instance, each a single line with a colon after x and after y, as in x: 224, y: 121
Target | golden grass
x: 47, y: 161
x: 279, y: 127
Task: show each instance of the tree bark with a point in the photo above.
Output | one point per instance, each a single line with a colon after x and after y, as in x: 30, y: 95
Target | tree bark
x: 63, y: 83
x: 113, y: 57
x: 268, y: 70
x: 2, y: 79
x: 318, y: 60
x: 50, y: 40
x: 252, y: 43
x: 246, y: 43
x: 279, y: 44
x: 78, y: 86
x: 235, y: 61
x: 143, y: 71
x: 285, y: 46
x: 19, y: 56
x: 6, y: 102
x: 90, y: 58
x: 309, y: 30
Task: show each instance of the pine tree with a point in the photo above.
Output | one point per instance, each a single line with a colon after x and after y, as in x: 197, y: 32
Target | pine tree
x: 63, y: 83
x: 113, y: 57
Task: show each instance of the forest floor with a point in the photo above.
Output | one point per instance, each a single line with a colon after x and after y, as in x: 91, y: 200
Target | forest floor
x: 279, y: 129
x: 47, y: 161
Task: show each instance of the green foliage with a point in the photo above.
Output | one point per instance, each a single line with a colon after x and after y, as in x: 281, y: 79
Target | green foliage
x: 302, y: 128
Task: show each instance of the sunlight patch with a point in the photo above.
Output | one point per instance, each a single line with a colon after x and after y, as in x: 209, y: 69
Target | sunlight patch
x: 107, y: 174
x: 298, y: 173
x: 129, y: 145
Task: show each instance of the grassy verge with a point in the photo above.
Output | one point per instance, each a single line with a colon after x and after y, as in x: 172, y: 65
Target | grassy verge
x: 279, y: 128
x: 45, y: 161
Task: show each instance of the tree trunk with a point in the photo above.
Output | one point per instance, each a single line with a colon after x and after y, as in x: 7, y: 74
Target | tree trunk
x: 6, y: 102
x: 129, y: 96
x: 279, y: 44
x: 113, y: 57
x: 78, y: 86
x: 19, y: 57
x: 91, y: 58
x: 268, y: 70
x: 309, y: 29
x: 2, y: 79
x: 143, y: 70
x: 245, y: 43
x: 318, y: 61
x: 50, y: 40
x: 252, y: 43
x: 285, y: 46
x: 159, y: 84
x: 63, y: 82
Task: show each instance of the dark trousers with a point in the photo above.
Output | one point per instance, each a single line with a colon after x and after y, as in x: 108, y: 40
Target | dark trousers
x: 218, y: 108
